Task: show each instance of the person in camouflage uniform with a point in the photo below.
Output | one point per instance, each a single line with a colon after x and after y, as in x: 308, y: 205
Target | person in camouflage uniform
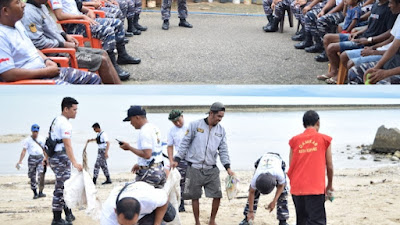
x: 182, y: 11
x: 274, y: 10
x: 297, y: 7
x: 150, y: 166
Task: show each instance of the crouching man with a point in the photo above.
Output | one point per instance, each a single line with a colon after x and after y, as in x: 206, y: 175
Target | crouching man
x: 137, y: 203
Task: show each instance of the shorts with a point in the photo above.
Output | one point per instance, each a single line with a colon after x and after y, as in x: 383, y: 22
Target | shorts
x: 355, y: 56
x: 349, y: 45
x: 196, y: 179
x: 89, y: 58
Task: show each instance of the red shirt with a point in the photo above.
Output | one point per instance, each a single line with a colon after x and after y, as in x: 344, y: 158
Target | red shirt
x: 308, y: 165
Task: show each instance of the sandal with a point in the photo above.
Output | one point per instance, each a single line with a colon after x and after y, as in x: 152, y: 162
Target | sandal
x: 323, y: 77
x: 330, y: 81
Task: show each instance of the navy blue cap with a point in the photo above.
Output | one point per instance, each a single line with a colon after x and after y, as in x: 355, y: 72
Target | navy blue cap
x: 35, y: 127
x: 135, y: 110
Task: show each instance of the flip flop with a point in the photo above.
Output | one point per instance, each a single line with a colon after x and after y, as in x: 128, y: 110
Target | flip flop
x: 323, y: 77
x: 330, y: 81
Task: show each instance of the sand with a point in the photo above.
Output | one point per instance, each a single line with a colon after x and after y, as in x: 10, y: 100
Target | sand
x: 357, y: 201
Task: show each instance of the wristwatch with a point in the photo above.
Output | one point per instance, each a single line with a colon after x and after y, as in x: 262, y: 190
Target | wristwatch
x: 369, y: 40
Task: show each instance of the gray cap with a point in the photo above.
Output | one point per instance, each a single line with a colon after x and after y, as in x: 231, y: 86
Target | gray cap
x: 217, y: 106
x: 265, y: 183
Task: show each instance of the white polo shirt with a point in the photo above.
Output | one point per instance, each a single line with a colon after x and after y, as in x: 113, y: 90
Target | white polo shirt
x: 272, y: 164
x: 150, y: 138
x: 149, y: 198
x: 176, y: 135
x: 67, y: 6
x: 103, y: 139
x: 32, y: 147
x: 61, y: 129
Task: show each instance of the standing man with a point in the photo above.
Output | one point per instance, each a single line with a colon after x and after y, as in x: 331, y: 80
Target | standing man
x: 102, y: 154
x: 60, y: 162
x: 310, y: 156
x: 204, y: 139
x: 270, y: 172
x: 150, y: 168
x: 34, y: 145
x: 175, y: 137
x: 182, y: 11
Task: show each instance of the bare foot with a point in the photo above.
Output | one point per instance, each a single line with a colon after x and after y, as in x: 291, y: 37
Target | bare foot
x: 212, y: 223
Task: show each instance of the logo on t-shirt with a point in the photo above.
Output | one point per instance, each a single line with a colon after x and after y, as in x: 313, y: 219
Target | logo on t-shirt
x: 4, y: 60
x: 308, y: 145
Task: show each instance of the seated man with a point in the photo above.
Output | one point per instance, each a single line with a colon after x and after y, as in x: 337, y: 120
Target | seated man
x: 381, y: 20
x: 137, y: 203
x: 297, y: 7
x: 270, y: 172
x: 274, y: 10
x: 44, y: 33
x: 110, y: 31
x: 20, y: 60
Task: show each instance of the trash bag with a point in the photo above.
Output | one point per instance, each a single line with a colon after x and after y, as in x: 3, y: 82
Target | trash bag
x: 173, y: 189
x: 80, y: 191
x: 231, y: 185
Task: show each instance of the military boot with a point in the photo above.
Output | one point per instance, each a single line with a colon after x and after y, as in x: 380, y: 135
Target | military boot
x: 124, y: 57
x: 306, y: 43
x: 318, y: 47
x: 165, y: 25
x: 273, y: 26
x: 270, y: 18
x: 108, y: 181
x: 184, y: 23
x: 69, y: 217
x: 131, y: 28
x: 122, y: 74
x: 299, y: 36
x: 136, y: 23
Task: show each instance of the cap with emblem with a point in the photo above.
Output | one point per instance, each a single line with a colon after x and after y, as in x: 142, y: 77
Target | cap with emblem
x: 217, y: 106
x: 35, y: 127
x: 175, y: 114
x: 135, y: 110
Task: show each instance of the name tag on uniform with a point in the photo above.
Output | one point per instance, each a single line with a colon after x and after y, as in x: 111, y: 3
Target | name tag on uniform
x: 200, y: 130
x: 33, y: 28
x: 218, y: 135
x: 187, y: 131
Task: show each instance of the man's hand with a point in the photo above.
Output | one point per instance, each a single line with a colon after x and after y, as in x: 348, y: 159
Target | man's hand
x: 135, y: 168
x: 271, y: 206
x: 125, y: 146
x: 362, y: 41
x: 376, y: 75
x: 320, y: 14
x: 367, y: 51
x: 78, y: 166
x: 68, y: 44
x: 273, y: 6
x: 91, y: 14
x: 230, y: 172
x: 306, y: 9
x: 250, y: 216
x: 73, y: 40
x: 106, y: 155
x: 91, y: 21
x: 51, y: 71
x: 173, y: 164
x: 17, y: 165
x: 44, y: 162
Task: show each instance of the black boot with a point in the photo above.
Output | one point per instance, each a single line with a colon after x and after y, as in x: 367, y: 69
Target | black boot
x: 299, y: 36
x: 321, y: 57
x: 131, y: 28
x: 273, y: 26
x: 122, y: 74
x: 283, y: 222
x: 108, y: 181
x: 41, y: 194
x: 95, y: 178
x: 182, y: 206
x: 123, y: 57
x: 270, y: 17
x: 69, y: 217
x: 136, y: 23
x: 318, y: 47
x: 57, y: 219
x: 35, y: 194
x: 165, y: 25
x: 126, y: 40
x: 306, y: 43
x: 184, y: 23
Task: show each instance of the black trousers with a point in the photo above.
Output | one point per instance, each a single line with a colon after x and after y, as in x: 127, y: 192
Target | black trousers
x: 310, y: 209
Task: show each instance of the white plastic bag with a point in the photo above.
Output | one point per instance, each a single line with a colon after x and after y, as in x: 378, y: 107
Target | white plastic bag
x: 173, y: 190
x: 231, y: 185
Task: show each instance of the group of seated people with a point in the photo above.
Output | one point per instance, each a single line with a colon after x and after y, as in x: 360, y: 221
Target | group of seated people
x: 27, y: 28
x: 362, y: 37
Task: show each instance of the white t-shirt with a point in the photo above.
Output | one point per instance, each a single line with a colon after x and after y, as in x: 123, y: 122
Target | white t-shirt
x: 32, y: 147
x: 149, y: 138
x: 272, y: 164
x: 176, y: 135
x: 149, y: 198
x: 17, y: 50
x: 338, y: 2
x: 395, y: 32
x: 67, y: 6
x: 61, y: 129
x: 103, y: 139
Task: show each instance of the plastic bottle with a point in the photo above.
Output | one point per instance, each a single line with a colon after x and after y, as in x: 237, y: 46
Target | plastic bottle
x: 367, y: 82
x: 329, y: 196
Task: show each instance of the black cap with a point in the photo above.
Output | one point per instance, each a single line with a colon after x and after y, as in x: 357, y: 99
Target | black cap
x: 217, y: 106
x: 135, y: 110
x: 265, y: 183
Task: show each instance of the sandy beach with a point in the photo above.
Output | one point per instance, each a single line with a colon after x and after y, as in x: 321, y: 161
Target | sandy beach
x: 361, y: 197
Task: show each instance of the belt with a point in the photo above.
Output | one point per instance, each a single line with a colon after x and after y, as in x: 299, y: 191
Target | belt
x: 190, y: 164
x: 152, y: 166
x: 60, y: 152
x: 36, y: 156
x: 101, y: 149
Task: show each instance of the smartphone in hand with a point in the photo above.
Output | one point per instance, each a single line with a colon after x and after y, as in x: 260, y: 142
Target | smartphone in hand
x: 119, y: 142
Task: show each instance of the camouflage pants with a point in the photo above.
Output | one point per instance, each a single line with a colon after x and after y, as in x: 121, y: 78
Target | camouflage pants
x: 127, y: 8
x: 70, y: 75
x: 182, y: 167
x: 310, y: 19
x: 166, y: 9
x: 109, y: 31
x: 279, y: 8
x: 155, y: 176
x: 282, y: 210
x: 101, y: 162
x: 327, y: 22
x: 356, y: 75
x: 112, y: 12
x: 61, y: 166
x: 35, y: 167
x: 298, y: 11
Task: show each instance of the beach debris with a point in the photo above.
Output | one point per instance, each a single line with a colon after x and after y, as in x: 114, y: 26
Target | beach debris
x: 397, y: 154
x: 363, y: 158
x: 350, y: 157
x: 231, y: 185
x: 394, y: 158
x: 358, y: 147
x: 377, y: 158
x: 378, y: 182
x: 387, y: 140
x: 365, y: 152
